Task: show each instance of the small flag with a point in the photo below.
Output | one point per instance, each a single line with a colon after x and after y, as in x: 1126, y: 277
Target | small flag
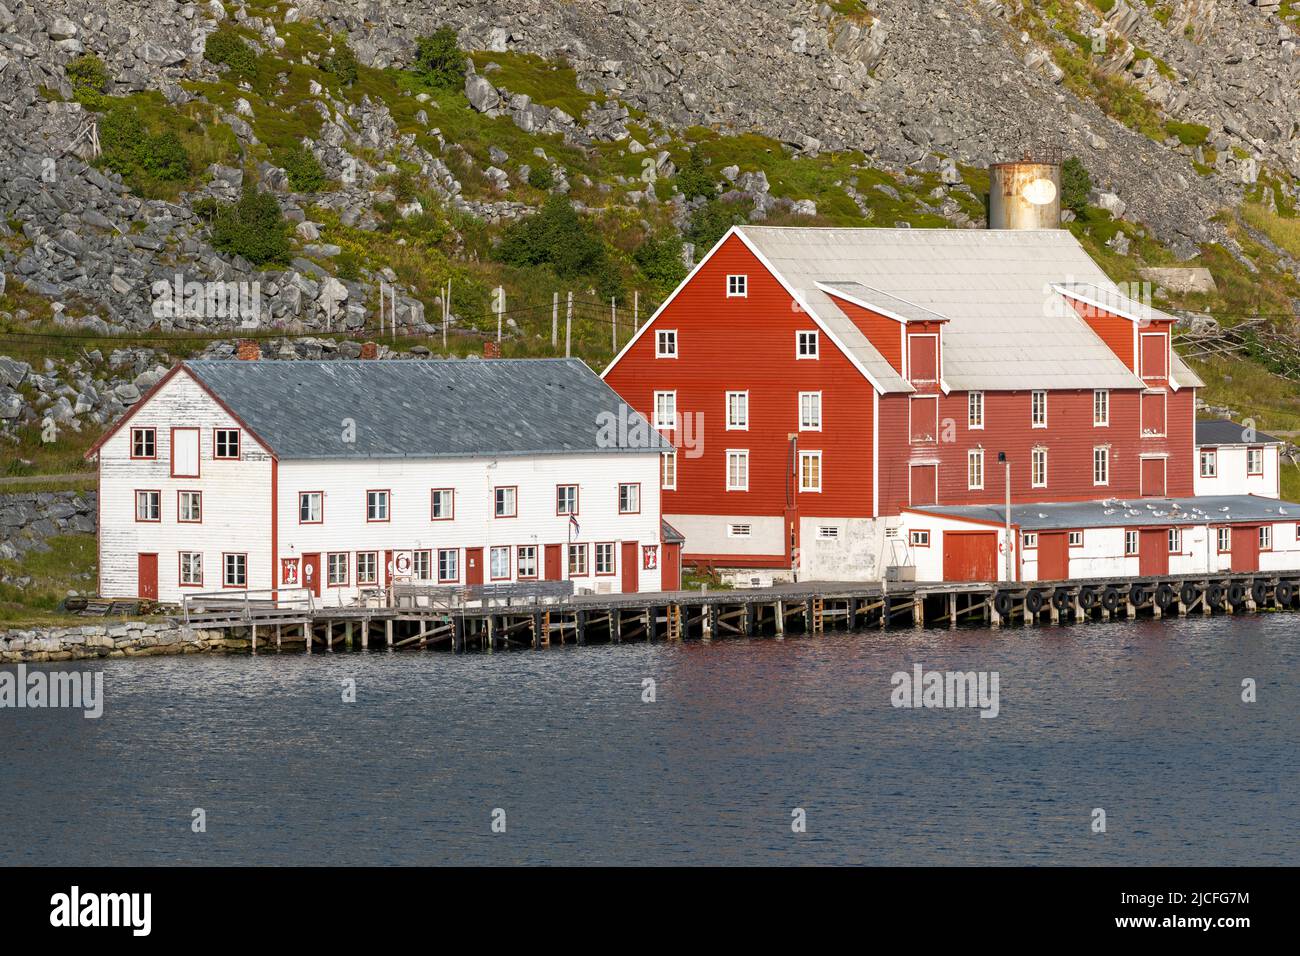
x: 574, y: 529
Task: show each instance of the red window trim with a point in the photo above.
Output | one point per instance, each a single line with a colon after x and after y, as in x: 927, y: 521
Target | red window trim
x: 388, y: 511
x: 239, y: 443
x: 198, y: 458
x: 234, y: 554
x: 495, y: 489
x: 509, y: 562
x: 577, y: 500
x: 1142, y: 374
x: 437, y: 566
x: 568, y: 559
x: 202, y: 570
x: 613, y: 564
x: 188, y: 491
x: 322, y: 507
x: 519, y: 550
x: 619, y: 499
x: 929, y: 537
x: 135, y: 505
x: 131, y: 450
x: 911, y: 431
x: 1164, y: 417
x: 347, y: 583
x: 357, y: 573
x: 1255, y: 474
x: 450, y: 517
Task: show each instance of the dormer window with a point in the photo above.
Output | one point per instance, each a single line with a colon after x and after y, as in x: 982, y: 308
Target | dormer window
x: 737, y: 287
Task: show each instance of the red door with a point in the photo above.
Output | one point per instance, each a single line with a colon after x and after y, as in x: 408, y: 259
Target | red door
x: 1245, y: 548
x: 970, y: 555
x: 147, y: 576
x: 1153, y: 478
x: 671, y: 573
x: 1053, y: 556
x: 925, y: 485
x: 473, y: 566
x: 311, y: 573
x: 552, y: 568
x: 631, y: 568
x: 1153, y: 550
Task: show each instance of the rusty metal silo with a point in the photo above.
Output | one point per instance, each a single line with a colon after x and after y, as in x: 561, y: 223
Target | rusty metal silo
x: 1025, y: 194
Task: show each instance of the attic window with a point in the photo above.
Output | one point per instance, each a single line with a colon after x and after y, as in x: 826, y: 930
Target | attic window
x: 737, y: 286
x: 806, y: 345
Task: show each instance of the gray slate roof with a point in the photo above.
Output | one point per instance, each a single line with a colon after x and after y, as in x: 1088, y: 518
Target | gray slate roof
x: 422, y: 409
x: 1127, y: 512
x: 1008, y: 327
x: 1221, y: 431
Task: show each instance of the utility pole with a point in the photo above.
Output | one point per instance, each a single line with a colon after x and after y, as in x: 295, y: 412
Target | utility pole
x: 1002, y: 457
x: 446, y: 314
x: 555, y: 320
x: 568, y: 328
x: 501, y: 308
x: 636, y: 307
x: 613, y: 326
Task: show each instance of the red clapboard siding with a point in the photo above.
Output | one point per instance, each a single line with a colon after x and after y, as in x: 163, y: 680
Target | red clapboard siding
x: 1116, y: 331
x: 738, y: 344
x: 884, y: 333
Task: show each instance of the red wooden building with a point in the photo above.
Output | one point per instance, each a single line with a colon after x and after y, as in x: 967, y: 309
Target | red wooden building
x: 820, y: 384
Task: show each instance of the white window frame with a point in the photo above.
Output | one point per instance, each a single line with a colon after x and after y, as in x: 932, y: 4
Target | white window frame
x: 810, y: 337
x: 805, y: 457
x: 668, y: 471
x: 740, y: 456
x: 1037, y: 404
x: 602, y: 558
x: 495, y: 552
x: 813, y: 422
x: 368, y: 567
x: 1029, y: 540
x: 919, y: 538
x: 422, y: 565
x: 373, y: 511
x: 316, y: 497
x: 1175, y: 540
x: 1257, y: 453
x: 975, y: 411
x: 1104, y: 461
x: 337, y: 561
x: 1266, y: 537
x: 1101, y: 408
x: 240, y: 566
x: 442, y: 504
x: 663, y: 339
x: 975, y: 469
x: 632, y: 497
x: 505, y: 501
x: 1209, y: 456
x: 666, y: 402
x: 738, y: 286
x: 526, y: 555
x: 195, y: 564
x: 452, y: 564
x: 1223, y: 540
x: 1037, y: 458
x: 738, y: 423
x: 1132, y: 543
x: 562, y: 507
x: 1074, y: 539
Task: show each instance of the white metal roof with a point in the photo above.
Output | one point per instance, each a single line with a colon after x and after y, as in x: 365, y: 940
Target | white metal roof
x: 1008, y: 327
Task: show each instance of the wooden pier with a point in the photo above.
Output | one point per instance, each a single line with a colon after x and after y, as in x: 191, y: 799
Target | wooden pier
x: 502, y: 617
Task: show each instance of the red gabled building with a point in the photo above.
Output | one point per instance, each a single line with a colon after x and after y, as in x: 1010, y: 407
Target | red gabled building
x: 819, y: 384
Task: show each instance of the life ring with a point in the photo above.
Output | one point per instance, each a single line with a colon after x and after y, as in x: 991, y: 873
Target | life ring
x: 1061, y: 599
x: 1258, y: 591
x: 1283, y: 593
x: 1164, y: 596
x: 1110, y: 599
x: 1187, y: 594
x: 1236, y: 593
x: 1088, y: 598
x: 1002, y: 603
x: 1215, y: 595
x: 1138, y: 595
x: 1034, y: 601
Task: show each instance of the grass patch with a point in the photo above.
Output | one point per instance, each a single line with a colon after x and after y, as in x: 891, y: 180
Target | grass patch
x: 69, y: 564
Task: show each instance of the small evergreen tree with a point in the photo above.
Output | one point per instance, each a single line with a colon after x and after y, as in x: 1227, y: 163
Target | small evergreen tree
x: 342, y: 63
x: 1075, y: 186
x: 228, y: 47
x: 660, y: 260
x: 711, y: 221
x: 693, y: 178
x: 438, y: 59
x: 252, y: 228
x: 304, y: 171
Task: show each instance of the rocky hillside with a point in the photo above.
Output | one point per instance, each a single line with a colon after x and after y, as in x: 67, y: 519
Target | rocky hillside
x: 266, y: 169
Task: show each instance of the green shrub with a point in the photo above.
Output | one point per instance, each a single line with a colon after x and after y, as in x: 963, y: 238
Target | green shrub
x: 348, y: 266
x: 693, y: 178
x: 343, y: 63
x: 228, y: 47
x: 555, y: 236
x: 660, y: 260
x: 1075, y: 186
x: 129, y: 149
x: 305, y: 173
x: 89, y: 79
x: 1189, y: 134
x: 164, y: 157
x: 438, y: 59
x: 252, y: 228
x: 206, y: 208
x: 541, y: 177
x: 711, y: 221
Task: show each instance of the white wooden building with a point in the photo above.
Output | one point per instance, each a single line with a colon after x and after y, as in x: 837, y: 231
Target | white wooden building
x: 347, y: 475
x: 1235, y: 459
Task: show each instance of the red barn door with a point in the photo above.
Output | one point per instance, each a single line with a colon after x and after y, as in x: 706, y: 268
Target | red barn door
x: 1245, y: 548
x: 1153, y: 477
x: 1153, y: 550
x: 970, y: 555
x: 1053, y: 556
x: 631, y: 569
x: 147, y: 576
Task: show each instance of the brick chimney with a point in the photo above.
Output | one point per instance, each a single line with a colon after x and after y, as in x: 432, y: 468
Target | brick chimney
x: 369, y: 350
x: 248, y: 351
x: 491, y: 350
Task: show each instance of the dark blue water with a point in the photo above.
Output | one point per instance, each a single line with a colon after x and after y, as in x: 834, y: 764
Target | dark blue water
x: 1143, y: 719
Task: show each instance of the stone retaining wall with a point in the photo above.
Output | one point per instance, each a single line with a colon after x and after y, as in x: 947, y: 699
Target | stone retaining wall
x: 131, y: 639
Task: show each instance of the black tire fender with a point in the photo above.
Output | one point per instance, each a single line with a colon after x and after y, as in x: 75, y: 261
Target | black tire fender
x: 1034, y: 601
x: 1061, y: 599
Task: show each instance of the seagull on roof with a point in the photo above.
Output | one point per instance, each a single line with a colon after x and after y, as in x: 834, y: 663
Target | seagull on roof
x: 1224, y: 508
x: 1281, y: 511
x: 1041, y: 515
x: 1109, y: 511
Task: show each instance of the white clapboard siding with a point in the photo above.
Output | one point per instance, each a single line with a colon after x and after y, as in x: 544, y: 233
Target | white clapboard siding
x: 236, y: 498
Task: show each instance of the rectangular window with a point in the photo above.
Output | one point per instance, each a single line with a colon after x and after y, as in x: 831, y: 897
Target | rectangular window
x: 504, y: 502
x: 666, y: 410
x: 191, y: 569
x: 499, y: 560
x: 527, y: 555
x: 737, y: 286
x: 806, y: 345
x: 442, y: 505
x: 1076, y: 539
x: 737, y: 411
x: 1266, y: 537
x: 919, y: 538
x: 1100, y: 407
x: 368, y: 567
x: 1209, y: 463
x: 148, y: 506
x: 1029, y: 539
x: 336, y: 566
x: 448, y: 564
x: 666, y: 343
x: 975, y: 410
x: 975, y: 469
x: 566, y: 499
x: 1254, y: 461
x: 234, y: 570
x: 668, y: 470
x: 1101, y: 466
x: 144, y: 443
x: 189, y: 506
x: 310, y: 507
x: 1224, y: 536
x: 810, y: 471
x: 810, y: 411
x: 605, y: 557
x: 185, y: 453
x: 376, y: 505
x: 738, y: 531
x: 1038, y: 468
x: 422, y: 565
x: 577, y: 560
x: 629, y: 498
x: 1038, y: 409
x: 1130, y: 543
x: 737, y: 470
x: 225, y: 446
x: 1175, y: 540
